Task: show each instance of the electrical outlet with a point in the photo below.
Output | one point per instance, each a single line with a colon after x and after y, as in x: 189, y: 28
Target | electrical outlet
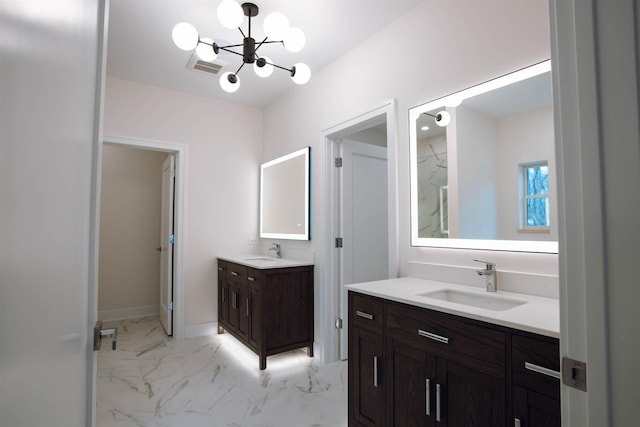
x: 252, y: 242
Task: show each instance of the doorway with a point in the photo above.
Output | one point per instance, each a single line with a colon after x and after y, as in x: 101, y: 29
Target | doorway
x: 170, y: 282
x: 361, y: 238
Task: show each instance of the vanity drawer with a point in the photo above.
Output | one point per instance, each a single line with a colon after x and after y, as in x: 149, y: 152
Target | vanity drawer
x: 222, y: 268
x: 536, y: 364
x: 468, y: 343
x: 254, y: 278
x: 236, y: 272
x: 366, y: 312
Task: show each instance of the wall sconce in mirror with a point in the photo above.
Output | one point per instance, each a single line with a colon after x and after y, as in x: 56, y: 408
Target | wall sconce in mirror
x: 484, y: 178
x: 285, y: 196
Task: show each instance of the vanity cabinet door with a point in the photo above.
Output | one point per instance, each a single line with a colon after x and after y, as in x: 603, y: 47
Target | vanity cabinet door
x: 531, y: 409
x: 254, y: 329
x: 236, y: 276
x: 410, y: 377
x: 468, y: 397
x: 536, y: 386
x: 366, y: 357
x: 223, y: 295
x: 243, y: 306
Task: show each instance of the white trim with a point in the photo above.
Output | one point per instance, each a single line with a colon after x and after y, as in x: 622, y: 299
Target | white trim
x: 180, y: 151
x: 129, y: 313
x: 330, y: 295
x: 201, y: 329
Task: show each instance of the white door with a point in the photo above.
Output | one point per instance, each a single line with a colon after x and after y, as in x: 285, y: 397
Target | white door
x: 48, y: 160
x: 166, y: 245
x: 364, y: 225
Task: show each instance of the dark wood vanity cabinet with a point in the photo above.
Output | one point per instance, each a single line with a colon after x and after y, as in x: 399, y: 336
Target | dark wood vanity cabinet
x: 536, y: 381
x: 410, y: 366
x: 269, y: 310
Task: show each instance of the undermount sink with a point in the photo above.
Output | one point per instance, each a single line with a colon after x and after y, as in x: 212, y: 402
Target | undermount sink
x: 489, y: 302
x: 261, y: 258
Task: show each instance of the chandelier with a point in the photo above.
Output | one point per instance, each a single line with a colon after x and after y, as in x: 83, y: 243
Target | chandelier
x: 231, y: 15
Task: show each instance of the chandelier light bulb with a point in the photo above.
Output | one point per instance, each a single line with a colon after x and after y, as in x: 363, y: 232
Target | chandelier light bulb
x: 229, y: 82
x: 301, y: 73
x: 185, y: 36
x: 263, y: 67
x: 205, y: 50
x: 443, y: 118
x: 276, y: 26
x: 294, y: 39
x: 230, y: 14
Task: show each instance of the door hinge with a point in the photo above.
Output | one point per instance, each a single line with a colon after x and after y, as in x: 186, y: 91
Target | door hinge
x: 338, y: 242
x: 574, y: 373
x: 171, y: 239
x: 170, y: 305
x: 338, y: 323
x: 338, y: 162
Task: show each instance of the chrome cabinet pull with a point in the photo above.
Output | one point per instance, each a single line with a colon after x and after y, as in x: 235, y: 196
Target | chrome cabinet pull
x: 224, y: 295
x: 427, y: 400
x: 233, y: 273
x: 247, y: 307
x: 433, y: 336
x: 364, y: 315
x: 542, y: 370
x: 234, y: 302
x: 438, y: 402
x: 375, y: 371
x: 220, y: 269
x: 251, y: 279
x: 516, y: 422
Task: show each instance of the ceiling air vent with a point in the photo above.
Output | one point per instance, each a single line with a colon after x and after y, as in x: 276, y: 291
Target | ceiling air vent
x: 197, y: 64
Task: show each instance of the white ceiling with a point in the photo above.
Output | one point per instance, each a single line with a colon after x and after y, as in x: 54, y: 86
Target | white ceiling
x: 140, y: 46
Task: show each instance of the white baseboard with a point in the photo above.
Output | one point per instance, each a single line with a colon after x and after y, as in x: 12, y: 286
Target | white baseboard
x: 201, y: 329
x: 128, y: 313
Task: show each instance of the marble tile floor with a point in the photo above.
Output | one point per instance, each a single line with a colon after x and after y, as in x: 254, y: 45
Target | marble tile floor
x: 154, y: 381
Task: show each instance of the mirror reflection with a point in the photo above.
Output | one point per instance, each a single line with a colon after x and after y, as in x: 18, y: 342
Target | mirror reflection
x: 483, y: 166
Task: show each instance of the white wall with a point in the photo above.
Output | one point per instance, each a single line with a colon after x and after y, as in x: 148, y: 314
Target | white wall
x: 224, y: 147
x: 435, y: 49
x: 129, y: 265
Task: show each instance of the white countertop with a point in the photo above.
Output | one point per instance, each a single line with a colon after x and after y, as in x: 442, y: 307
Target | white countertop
x: 263, y: 262
x: 538, y: 315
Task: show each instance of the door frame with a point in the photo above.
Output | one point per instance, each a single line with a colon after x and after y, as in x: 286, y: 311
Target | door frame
x: 330, y: 138
x: 180, y: 152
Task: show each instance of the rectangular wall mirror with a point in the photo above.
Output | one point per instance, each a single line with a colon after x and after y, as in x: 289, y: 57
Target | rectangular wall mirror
x: 483, y: 166
x: 284, y: 197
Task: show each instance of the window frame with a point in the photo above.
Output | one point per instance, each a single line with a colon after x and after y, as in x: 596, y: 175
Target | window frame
x: 525, y: 197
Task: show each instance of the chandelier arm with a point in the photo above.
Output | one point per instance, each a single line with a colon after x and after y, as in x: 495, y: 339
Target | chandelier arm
x: 239, y: 68
x: 282, y: 68
x: 258, y: 47
x: 229, y: 45
x: 229, y: 50
x: 242, y: 32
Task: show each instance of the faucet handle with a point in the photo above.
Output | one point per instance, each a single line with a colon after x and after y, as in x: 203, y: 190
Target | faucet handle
x: 489, y: 265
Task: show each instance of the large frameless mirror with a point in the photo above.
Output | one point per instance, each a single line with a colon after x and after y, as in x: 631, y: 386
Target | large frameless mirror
x: 284, y: 197
x: 483, y: 166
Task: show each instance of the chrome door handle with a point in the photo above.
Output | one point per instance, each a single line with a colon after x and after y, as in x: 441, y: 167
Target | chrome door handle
x: 98, y: 333
x: 433, y: 336
x: 251, y: 279
x: 375, y: 371
x: 247, y: 307
x: 542, y: 370
x: 364, y: 315
x: 516, y: 422
x: 233, y: 273
x: 427, y: 400
x: 438, y: 402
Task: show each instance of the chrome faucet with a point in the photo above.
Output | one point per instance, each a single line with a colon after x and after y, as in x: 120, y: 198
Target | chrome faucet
x: 275, y: 247
x: 490, y: 275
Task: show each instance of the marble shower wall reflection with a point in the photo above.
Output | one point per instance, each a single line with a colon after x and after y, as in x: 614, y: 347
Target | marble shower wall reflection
x: 432, y: 186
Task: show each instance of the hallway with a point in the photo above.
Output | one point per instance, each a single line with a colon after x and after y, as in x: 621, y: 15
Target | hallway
x: 151, y: 380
